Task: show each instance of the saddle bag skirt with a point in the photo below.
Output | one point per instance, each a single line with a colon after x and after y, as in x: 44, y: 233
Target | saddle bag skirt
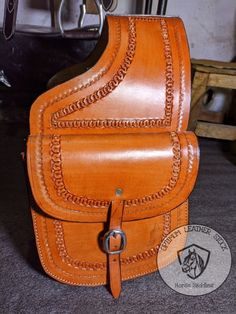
x: 110, y: 163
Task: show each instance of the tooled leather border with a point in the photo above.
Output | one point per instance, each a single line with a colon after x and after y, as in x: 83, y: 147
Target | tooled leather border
x: 48, y: 198
x: 59, y: 269
x: 114, y: 82
x: 70, y: 91
x: 190, y: 159
x: 61, y: 247
x: 69, y: 274
x: 67, y: 196
x: 142, y: 122
x: 118, y: 123
x: 182, y: 80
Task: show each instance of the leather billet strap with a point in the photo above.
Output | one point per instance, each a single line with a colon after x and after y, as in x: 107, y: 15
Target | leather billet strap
x: 9, y: 21
x: 114, y: 243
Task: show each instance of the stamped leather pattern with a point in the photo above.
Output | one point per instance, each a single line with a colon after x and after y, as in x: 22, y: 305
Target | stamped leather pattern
x: 51, y: 192
x: 120, y: 125
x: 176, y: 73
x: 114, y: 82
x: 74, y: 271
x: 57, y: 176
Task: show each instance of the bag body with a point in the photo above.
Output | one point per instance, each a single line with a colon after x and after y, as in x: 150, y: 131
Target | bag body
x: 110, y: 162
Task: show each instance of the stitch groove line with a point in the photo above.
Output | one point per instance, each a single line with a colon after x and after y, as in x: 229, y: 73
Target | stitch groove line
x: 50, y: 255
x: 66, y: 195
x: 113, y: 83
x: 61, y: 247
x: 95, y: 78
x: 102, y: 92
x: 57, y: 177
x: 58, y: 277
x: 181, y: 80
x: 169, y: 72
x: 43, y: 188
x: 176, y: 167
x: 191, y: 155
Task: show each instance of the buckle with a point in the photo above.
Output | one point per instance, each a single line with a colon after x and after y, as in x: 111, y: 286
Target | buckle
x: 114, y: 233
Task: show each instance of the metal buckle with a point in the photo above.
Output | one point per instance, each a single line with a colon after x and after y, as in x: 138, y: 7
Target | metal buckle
x: 114, y: 233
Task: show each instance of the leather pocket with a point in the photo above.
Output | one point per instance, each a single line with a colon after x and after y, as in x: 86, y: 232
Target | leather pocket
x: 75, y: 177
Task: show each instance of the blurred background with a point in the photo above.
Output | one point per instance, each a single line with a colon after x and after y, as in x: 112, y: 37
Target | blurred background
x: 210, y: 25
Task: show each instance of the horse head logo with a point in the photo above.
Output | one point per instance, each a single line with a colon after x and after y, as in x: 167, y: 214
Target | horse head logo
x: 194, y: 260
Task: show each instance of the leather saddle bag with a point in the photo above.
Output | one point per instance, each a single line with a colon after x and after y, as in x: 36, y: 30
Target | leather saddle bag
x: 110, y: 162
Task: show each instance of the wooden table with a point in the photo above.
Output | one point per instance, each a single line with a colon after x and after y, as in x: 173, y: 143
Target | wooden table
x: 210, y: 74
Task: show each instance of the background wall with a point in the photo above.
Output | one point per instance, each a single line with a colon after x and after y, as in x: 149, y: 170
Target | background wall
x: 210, y: 24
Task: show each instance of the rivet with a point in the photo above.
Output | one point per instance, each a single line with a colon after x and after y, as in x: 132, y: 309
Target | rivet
x: 119, y: 192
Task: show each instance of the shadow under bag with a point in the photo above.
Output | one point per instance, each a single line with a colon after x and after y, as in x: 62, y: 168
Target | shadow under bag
x: 110, y: 162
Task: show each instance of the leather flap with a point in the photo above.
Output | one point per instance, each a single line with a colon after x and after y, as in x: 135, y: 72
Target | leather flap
x: 75, y: 177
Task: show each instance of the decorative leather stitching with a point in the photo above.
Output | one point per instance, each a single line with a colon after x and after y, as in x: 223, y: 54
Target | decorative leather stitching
x: 179, y: 217
x: 61, y: 248
x: 113, y: 83
x: 181, y: 79
x: 191, y: 155
x: 102, y: 92
x: 66, y: 195
x: 128, y: 260
x: 43, y: 188
x: 167, y: 227
x: 176, y: 167
x: 51, y: 258
x: 57, y: 177
x: 95, y: 78
x: 142, y: 123
x: 169, y: 72
x: 125, y: 277
x: 46, y: 194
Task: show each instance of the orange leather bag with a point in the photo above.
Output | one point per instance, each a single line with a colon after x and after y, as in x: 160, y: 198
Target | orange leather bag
x: 110, y: 162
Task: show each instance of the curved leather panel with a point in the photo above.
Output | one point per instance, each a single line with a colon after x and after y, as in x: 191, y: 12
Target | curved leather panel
x: 76, y: 177
x: 108, y: 149
x: 138, y: 83
x: 69, y: 260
